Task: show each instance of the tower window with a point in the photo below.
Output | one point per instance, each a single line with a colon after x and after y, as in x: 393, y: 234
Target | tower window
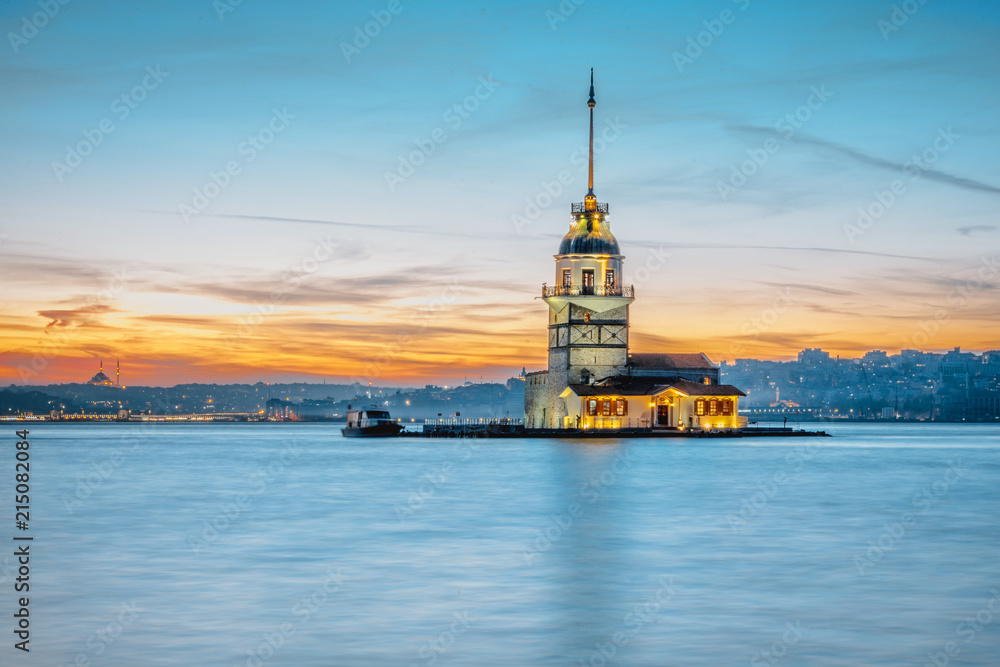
x: 567, y: 277
x: 609, y: 277
x: 588, y: 281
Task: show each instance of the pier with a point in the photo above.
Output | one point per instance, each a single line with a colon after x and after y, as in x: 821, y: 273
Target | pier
x: 514, y: 428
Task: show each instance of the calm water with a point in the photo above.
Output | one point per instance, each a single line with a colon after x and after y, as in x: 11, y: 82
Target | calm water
x: 195, y: 544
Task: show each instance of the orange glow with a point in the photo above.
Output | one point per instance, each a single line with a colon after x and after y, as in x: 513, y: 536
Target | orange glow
x: 494, y: 335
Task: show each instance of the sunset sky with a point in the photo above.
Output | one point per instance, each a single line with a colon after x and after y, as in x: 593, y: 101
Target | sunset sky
x: 320, y: 250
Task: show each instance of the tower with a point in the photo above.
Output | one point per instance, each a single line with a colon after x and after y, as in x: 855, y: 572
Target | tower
x: 118, y: 372
x: 588, y: 306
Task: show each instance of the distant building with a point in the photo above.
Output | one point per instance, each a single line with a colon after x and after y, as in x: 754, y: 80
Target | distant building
x: 814, y: 358
x: 875, y: 359
x: 100, y: 378
x: 592, y: 380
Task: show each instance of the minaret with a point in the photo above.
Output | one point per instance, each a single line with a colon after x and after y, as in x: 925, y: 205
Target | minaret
x: 118, y: 372
x: 588, y: 305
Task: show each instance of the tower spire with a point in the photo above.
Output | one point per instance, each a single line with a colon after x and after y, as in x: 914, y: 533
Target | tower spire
x: 591, y: 200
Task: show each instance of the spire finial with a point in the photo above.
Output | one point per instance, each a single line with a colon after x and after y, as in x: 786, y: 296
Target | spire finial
x: 590, y: 201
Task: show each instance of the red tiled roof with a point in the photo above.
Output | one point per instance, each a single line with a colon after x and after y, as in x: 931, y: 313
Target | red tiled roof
x: 670, y: 361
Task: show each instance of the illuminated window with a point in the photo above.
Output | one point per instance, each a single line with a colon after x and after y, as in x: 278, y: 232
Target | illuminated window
x: 609, y: 277
x: 699, y: 407
x: 592, y: 407
x: 567, y: 277
x: 606, y: 408
x: 622, y: 407
x: 727, y: 408
x: 713, y: 407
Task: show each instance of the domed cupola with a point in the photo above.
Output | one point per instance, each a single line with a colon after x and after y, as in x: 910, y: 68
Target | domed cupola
x: 589, y: 233
x: 589, y: 263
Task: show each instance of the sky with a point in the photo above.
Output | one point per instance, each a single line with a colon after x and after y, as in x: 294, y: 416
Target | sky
x: 373, y: 191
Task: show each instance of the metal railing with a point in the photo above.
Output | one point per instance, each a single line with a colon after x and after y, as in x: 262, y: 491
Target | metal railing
x: 581, y: 207
x: 627, y: 291
x: 473, y: 421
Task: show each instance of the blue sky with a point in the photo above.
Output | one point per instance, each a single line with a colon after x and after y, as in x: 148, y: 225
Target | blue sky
x: 449, y: 228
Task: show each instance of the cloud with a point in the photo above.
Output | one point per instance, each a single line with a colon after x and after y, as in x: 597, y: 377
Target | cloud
x: 82, y: 317
x: 812, y: 288
x: 46, y: 269
x: 863, y: 158
x: 971, y: 230
x: 742, y: 248
x: 403, y: 229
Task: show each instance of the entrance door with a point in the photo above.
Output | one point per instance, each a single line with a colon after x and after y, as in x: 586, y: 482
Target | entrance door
x: 663, y: 415
x: 588, y: 281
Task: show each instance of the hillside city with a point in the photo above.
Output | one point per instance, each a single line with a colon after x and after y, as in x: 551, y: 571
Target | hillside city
x: 916, y: 386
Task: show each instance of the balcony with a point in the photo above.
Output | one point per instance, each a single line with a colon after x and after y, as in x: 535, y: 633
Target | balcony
x: 626, y: 291
x: 582, y: 208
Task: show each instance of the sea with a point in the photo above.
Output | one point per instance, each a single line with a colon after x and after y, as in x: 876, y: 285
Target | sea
x: 286, y: 544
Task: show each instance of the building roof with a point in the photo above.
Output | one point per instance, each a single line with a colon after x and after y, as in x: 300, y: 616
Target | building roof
x: 698, y: 389
x: 670, y: 361
x: 100, y: 378
x: 627, y: 386
x: 622, y: 389
x: 589, y: 234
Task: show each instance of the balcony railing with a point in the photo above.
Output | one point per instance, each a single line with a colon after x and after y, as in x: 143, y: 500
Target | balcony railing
x: 626, y: 291
x: 582, y: 208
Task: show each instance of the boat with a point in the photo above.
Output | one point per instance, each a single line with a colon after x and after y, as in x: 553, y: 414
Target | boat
x: 370, y: 423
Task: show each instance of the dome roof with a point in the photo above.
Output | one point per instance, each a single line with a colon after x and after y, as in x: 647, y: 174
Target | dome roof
x: 590, y: 234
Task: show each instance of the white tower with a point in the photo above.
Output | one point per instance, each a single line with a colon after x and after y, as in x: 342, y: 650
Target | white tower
x: 588, y: 307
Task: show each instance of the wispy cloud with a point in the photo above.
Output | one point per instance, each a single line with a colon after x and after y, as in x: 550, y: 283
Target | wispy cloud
x: 974, y: 230
x: 81, y: 317
x: 864, y: 158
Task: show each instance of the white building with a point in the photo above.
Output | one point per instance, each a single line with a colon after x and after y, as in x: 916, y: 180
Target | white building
x: 592, y: 380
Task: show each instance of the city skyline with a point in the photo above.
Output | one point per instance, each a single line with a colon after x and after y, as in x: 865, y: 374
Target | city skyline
x: 276, y: 195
